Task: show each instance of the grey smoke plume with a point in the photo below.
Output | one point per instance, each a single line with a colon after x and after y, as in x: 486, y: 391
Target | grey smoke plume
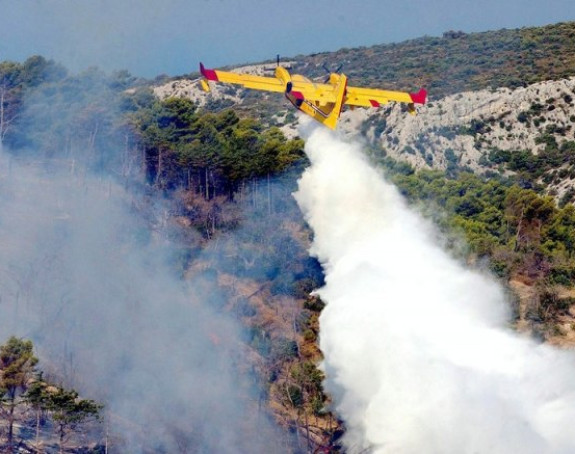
x: 85, y: 278
x: 418, y: 354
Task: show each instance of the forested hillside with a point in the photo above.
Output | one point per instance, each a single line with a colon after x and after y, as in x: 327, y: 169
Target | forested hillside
x: 224, y: 185
x: 516, y: 132
x: 453, y: 63
x: 459, y: 61
x: 225, y: 180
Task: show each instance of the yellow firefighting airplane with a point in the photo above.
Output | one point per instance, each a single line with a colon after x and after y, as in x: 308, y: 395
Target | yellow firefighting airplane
x: 323, y: 102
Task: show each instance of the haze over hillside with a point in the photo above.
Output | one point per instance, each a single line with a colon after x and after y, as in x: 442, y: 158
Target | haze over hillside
x: 167, y: 216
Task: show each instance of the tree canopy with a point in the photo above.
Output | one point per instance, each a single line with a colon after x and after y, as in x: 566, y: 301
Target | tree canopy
x: 23, y: 385
x: 209, y: 153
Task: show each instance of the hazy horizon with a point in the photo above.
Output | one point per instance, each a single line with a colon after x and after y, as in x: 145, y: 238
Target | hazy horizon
x: 149, y: 38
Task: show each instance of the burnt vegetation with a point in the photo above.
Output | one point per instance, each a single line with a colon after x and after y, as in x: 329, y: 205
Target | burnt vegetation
x: 227, y: 183
x: 222, y: 172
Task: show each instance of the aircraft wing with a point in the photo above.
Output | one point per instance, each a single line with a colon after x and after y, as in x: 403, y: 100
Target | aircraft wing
x: 371, y: 97
x: 309, y: 90
x: 322, y: 101
x: 247, y: 80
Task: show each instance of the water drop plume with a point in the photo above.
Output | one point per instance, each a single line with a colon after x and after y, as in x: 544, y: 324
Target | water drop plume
x: 419, y: 356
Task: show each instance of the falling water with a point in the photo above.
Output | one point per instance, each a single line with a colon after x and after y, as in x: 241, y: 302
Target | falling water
x: 419, y: 357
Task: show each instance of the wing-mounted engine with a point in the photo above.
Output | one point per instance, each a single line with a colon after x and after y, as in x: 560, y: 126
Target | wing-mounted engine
x: 321, y: 101
x: 283, y: 75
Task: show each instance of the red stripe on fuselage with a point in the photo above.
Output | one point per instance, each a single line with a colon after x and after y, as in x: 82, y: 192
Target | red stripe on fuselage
x: 374, y: 103
x: 297, y: 95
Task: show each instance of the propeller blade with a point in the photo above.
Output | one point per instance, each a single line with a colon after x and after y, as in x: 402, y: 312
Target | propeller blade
x: 324, y: 66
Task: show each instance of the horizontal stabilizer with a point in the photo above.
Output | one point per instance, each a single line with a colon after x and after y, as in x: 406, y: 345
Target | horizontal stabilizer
x: 205, y: 85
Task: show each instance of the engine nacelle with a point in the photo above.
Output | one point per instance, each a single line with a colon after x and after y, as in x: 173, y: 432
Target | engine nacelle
x: 283, y: 75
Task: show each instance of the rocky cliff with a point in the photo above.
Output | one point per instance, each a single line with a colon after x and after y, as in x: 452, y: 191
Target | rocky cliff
x: 463, y: 130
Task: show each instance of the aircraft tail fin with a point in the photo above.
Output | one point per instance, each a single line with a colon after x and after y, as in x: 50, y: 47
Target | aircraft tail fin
x: 420, y: 97
x: 331, y: 120
x: 209, y: 74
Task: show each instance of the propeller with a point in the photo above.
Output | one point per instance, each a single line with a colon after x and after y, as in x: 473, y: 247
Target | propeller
x: 278, y: 63
x: 324, y: 66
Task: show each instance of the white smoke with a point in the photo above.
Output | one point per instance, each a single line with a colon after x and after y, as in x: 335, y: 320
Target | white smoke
x: 82, y: 276
x: 418, y: 354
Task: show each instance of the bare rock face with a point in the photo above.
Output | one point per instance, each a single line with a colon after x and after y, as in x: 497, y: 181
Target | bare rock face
x: 190, y: 88
x: 473, y: 123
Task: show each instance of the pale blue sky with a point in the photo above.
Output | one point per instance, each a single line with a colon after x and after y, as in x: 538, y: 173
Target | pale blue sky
x: 171, y: 36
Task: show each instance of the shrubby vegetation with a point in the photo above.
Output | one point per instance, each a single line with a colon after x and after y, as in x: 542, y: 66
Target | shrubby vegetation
x: 458, y: 61
x: 522, y: 234
x: 447, y: 64
x: 551, y: 165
